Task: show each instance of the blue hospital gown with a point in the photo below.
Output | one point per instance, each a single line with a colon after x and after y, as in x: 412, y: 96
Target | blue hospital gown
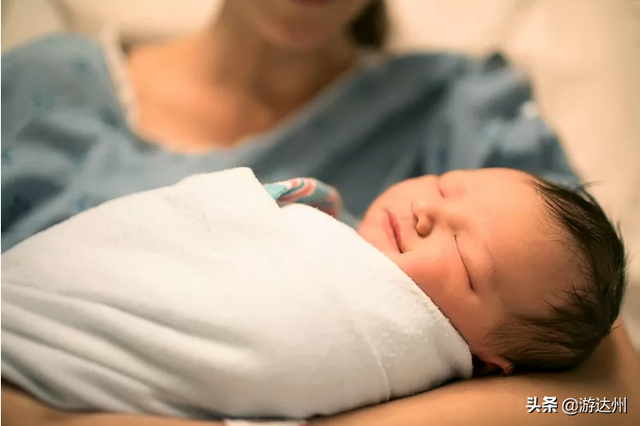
x: 67, y: 146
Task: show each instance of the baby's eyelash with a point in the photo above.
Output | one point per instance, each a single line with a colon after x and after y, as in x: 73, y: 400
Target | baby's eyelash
x: 455, y: 238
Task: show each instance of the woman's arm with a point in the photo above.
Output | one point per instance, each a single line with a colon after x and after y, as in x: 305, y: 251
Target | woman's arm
x: 612, y: 372
x: 18, y: 409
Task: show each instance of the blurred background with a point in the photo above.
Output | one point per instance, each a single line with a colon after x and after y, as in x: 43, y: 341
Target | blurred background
x: 582, y: 55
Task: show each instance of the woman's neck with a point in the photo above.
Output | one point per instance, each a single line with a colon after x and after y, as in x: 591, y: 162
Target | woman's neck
x: 219, y: 86
x: 236, y: 56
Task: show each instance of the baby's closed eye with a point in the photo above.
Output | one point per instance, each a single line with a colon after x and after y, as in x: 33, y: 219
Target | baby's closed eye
x: 464, y: 265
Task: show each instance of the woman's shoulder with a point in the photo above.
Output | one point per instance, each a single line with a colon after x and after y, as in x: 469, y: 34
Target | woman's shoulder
x: 62, y: 72
x: 433, y: 61
x: 455, y: 83
x: 419, y: 78
x: 60, y: 64
x: 422, y: 66
x: 52, y: 54
x: 51, y: 47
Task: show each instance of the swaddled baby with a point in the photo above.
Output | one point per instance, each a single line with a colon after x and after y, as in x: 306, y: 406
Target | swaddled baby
x: 214, y: 302
x: 531, y: 274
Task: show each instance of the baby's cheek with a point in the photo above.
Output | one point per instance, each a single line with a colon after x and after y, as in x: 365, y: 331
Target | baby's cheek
x: 372, y: 229
x: 432, y: 272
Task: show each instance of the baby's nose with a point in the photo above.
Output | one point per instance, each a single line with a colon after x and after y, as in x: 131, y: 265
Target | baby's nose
x: 421, y: 212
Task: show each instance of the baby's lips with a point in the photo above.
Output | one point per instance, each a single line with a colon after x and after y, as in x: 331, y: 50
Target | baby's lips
x: 372, y: 229
x: 391, y: 230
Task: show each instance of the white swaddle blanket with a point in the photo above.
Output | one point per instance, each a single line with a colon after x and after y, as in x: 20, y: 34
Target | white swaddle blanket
x: 205, y: 299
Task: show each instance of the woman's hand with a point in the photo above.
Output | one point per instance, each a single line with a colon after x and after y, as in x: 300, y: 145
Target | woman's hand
x: 612, y: 372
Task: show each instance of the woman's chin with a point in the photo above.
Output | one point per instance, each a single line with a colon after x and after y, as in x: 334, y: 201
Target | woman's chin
x: 302, y: 39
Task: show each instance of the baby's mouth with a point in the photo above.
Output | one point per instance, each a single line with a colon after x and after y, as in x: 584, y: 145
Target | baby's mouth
x: 395, y: 229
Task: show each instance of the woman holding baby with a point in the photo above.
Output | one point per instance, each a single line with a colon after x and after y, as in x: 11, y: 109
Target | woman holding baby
x: 288, y: 88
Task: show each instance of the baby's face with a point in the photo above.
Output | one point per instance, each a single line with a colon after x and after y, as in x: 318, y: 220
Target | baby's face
x: 478, y: 243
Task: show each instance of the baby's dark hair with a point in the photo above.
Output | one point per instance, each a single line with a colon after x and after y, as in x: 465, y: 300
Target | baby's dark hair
x: 572, y: 329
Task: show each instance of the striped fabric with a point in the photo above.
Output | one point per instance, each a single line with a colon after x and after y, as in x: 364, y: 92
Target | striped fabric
x: 314, y: 193
x: 307, y: 191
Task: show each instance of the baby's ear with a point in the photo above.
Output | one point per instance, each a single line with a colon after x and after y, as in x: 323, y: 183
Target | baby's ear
x: 488, y: 365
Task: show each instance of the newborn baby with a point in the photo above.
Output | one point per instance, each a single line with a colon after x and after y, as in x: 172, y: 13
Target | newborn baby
x: 530, y: 274
x: 207, y: 300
